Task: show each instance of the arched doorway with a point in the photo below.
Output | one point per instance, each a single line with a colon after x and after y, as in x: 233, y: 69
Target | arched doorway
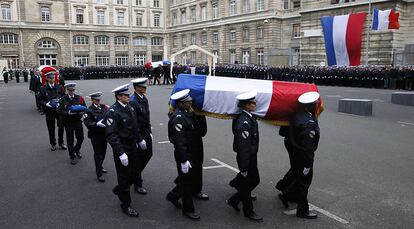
x: 48, y: 51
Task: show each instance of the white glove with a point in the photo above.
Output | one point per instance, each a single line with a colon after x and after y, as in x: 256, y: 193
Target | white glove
x: 100, y: 124
x: 48, y: 105
x: 306, y: 171
x: 244, y: 173
x: 70, y: 113
x: 185, y: 167
x: 143, y: 144
x: 124, y: 159
x: 152, y: 137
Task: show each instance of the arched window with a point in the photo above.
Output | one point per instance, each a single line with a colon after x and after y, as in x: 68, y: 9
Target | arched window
x: 8, y: 38
x: 47, y: 44
x: 140, y: 41
x: 45, y: 13
x: 80, y: 40
x: 121, y: 40
x: 101, y: 40
x: 156, y: 41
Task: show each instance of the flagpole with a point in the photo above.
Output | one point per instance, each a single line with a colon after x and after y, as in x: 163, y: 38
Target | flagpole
x: 368, y: 33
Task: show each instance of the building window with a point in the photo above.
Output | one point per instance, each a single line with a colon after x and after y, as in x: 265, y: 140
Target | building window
x: 138, y: 2
x: 80, y: 40
x: 260, y: 57
x: 341, y: 1
x: 101, y: 40
x: 175, y: 41
x: 183, y: 17
x: 204, y: 38
x: 174, y: 19
x: 215, y: 11
x: 156, y: 57
x: 259, y: 32
x: 47, y: 44
x: 215, y: 37
x: 193, y: 14
x: 156, y: 41
x: 102, y: 60
x: 139, y: 20
x: 140, y: 41
x: 232, y: 56
x: 203, y: 58
x: 48, y: 60
x: 193, y: 39
x: 45, y: 13
x: 246, y: 34
x: 183, y: 40
x: 156, y: 3
x: 246, y: 57
x: 121, y: 40
x: 120, y: 2
x: 203, y: 12
x: 295, y: 30
x: 296, y: 3
x: 156, y: 20
x: 246, y: 6
x: 232, y: 8
x: 100, y: 17
x: 100, y: 1
x: 79, y: 16
x: 81, y: 60
x: 140, y: 59
x: 121, y: 60
x: 5, y: 12
x: 215, y: 52
x: 232, y: 35
x: 285, y: 4
x: 193, y: 57
x: 8, y: 38
x: 260, y: 4
x: 121, y: 17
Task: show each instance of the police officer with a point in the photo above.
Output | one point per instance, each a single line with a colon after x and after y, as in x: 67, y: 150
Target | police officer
x: 93, y: 120
x: 48, y: 98
x: 122, y: 134
x: 71, y: 107
x: 181, y: 132
x: 246, y: 145
x: 304, y: 138
x: 140, y: 104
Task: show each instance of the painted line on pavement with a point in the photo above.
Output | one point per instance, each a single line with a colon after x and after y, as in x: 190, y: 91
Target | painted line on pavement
x: 291, y: 212
x: 406, y: 123
x: 334, y: 96
x: 164, y: 142
x: 214, y: 167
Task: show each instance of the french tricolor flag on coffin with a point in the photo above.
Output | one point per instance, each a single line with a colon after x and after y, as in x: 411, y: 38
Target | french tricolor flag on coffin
x: 383, y: 20
x: 343, y: 37
x: 216, y: 96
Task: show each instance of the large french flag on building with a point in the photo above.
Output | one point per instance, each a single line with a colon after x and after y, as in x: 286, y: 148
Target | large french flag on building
x: 215, y: 96
x: 383, y: 20
x: 343, y: 38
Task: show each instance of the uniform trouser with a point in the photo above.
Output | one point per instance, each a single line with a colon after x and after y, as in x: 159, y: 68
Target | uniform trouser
x: 183, y: 189
x: 245, y: 188
x: 99, y: 145
x: 74, y: 129
x: 39, y: 107
x: 289, y: 177
x: 126, y: 176
x: 197, y: 176
x: 51, y: 116
x: 144, y: 157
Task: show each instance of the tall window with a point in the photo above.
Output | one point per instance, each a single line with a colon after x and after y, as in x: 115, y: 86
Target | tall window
x: 81, y: 60
x: 156, y: 41
x: 100, y: 17
x: 140, y: 41
x: 183, y: 17
x: 246, y: 6
x: 101, y: 40
x: 121, y: 40
x: 215, y: 11
x: 174, y: 19
x: 260, y: 4
x: 203, y: 12
x: 120, y: 2
x: 203, y: 58
x: 100, y: 1
x: 121, y: 18
x: 80, y: 40
x: 215, y: 52
x: 156, y: 57
x: 232, y: 56
x: 121, y: 59
x: 79, y: 16
x: 204, y: 38
x: 193, y: 14
x: 156, y: 3
x: 45, y: 13
x: 296, y: 3
x: 8, y: 38
x: 47, y: 60
x: 156, y: 20
x: 232, y: 8
x: 5, y: 12
x: 193, y: 39
x: 246, y: 57
x: 139, y: 20
x: 232, y: 35
x: 295, y: 30
x: 215, y: 37
x: 140, y: 59
x: 260, y: 55
x: 102, y: 60
x: 246, y: 34
x: 175, y: 41
x: 183, y: 40
x: 193, y: 57
x: 47, y: 44
x: 259, y: 32
x: 138, y: 2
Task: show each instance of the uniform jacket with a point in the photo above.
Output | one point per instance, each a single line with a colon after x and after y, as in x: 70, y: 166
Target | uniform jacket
x: 142, y: 112
x: 48, y: 93
x: 93, y: 115
x: 64, y: 104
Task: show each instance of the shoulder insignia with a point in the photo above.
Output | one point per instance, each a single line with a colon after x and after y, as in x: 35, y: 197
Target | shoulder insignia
x: 85, y: 115
x: 312, y: 134
x: 112, y: 110
x: 245, y: 134
x: 178, y: 116
x: 246, y: 122
x: 178, y: 127
x: 109, y: 121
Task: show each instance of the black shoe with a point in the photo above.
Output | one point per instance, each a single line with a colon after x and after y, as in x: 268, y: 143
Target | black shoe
x: 173, y: 201
x: 192, y: 215
x: 140, y: 190
x: 254, y: 217
x: 201, y: 196
x: 101, y: 178
x: 284, y: 200
x: 73, y: 161
x: 232, y: 184
x: 63, y: 147
x: 233, y: 205
x: 79, y: 155
x: 53, y: 148
x: 308, y: 215
x: 130, y: 212
x: 104, y: 170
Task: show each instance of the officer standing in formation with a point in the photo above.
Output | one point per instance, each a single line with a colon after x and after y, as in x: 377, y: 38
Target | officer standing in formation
x: 35, y: 85
x: 49, y: 100
x: 246, y: 145
x: 122, y: 134
x: 181, y: 132
x: 93, y: 120
x: 71, y: 107
x: 140, y: 104
x: 303, y: 139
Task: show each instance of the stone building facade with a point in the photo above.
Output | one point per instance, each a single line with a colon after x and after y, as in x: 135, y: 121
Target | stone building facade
x: 109, y: 32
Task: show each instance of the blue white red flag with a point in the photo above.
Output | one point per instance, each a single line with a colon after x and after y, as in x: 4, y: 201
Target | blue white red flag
x: 383, y: 20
